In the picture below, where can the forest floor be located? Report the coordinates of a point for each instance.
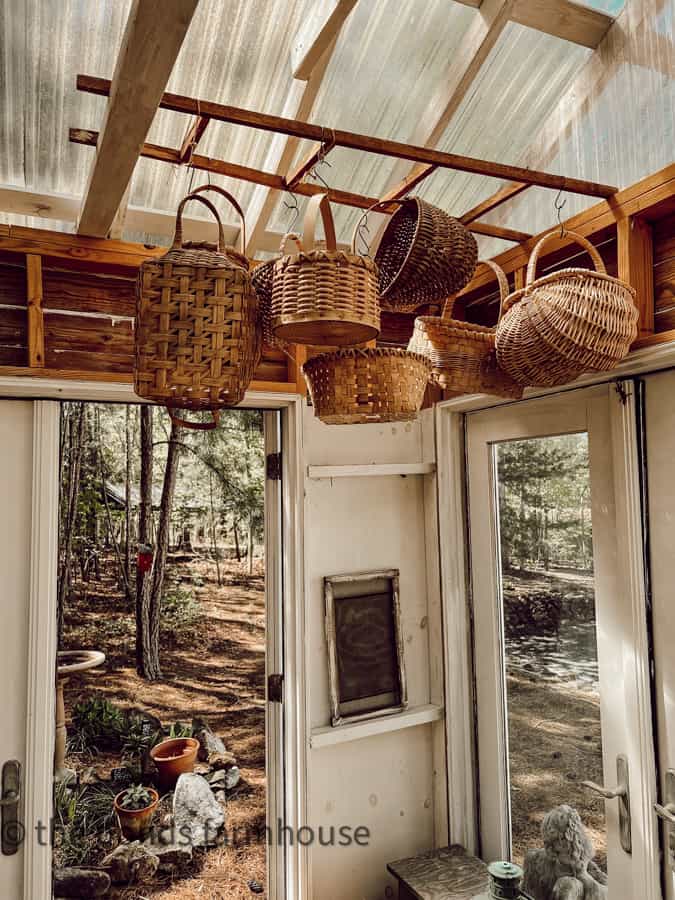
(215, 671)
(554, 724)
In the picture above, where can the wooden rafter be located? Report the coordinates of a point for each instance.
(416, 176)
(350, 140)
(193, 136)
(485, 206)
(564, 19)
(142, 71)
(322, 23)
(318, 152)
(277, 182)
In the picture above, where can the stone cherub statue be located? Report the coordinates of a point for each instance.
(564, 869)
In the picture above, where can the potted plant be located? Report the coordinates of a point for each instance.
(174, 757)
(135, 807)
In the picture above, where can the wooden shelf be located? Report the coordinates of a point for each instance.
(373, 470)
(419, 715)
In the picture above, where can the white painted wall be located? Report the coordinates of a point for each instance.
(384, 782)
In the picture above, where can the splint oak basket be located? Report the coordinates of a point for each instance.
(197, 330)
(324, 297)
(382, 384)
(462, 355)
(565, 323)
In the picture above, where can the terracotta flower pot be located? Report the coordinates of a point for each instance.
(135, 823)
(173, 758)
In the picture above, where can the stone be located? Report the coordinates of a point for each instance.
(129, 863)
(221, 796)
(202, 768)
(255, 887)
(196, 812)
(218, 777)
(83, 883)
(222, 761)
(232, 778)
(173, 852)
(209, 743)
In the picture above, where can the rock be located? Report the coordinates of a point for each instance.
(84, 883)
(222, 761)
(232, 778)
(221, 796)
(218, 777)
(255, 887)
(196, 812)
(173, 852)
(202, 768)
(209, 743)
(129, 863)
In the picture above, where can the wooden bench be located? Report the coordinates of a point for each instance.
(445, 874)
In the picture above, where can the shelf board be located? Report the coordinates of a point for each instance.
(362, 471)
(419, 715)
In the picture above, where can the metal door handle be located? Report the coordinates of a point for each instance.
(622, 791)
(667, 812)
(10, 795)
(10, 798)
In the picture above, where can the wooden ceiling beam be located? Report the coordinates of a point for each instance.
(493, 201)
(193, 136)
(416, 176)
(318, 152)
(277, 182)
(364, 143)
(322, 23)
(564, 19)
(142, 71)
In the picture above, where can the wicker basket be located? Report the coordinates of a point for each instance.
(566, 323)
(462, 355)
(366, 385)
(198, 338)
(424, 256)
(324, 297)
(262, 277)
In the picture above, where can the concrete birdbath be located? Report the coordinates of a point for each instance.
(68, 663)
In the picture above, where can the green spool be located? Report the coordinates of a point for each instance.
(505, 878)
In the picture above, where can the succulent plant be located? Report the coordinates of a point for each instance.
(136, 797)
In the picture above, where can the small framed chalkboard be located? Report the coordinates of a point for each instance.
(365, 646)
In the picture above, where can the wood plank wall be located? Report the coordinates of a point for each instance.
(663, 234)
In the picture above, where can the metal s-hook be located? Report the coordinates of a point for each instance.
(295, 209)
(560, 203)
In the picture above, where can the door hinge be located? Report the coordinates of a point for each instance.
(275, 688)
(273, 466)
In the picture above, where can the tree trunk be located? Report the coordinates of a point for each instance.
(250, 544)
(237, 548)
(214, 537)
(127, 511)
(143, 581)
(153, 668)
(76, 429)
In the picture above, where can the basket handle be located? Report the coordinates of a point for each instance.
(577, 238)
(291, 236)
(319, 203)
(195, 426)
(178, 233)
(231, 199)
(503, 288)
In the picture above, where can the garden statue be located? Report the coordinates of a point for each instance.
(564, 868)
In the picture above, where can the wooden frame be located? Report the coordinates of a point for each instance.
(339, 716)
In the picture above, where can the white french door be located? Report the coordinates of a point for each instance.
(560, 628)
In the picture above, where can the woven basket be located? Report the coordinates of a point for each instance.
(262, 277)
(566, 323)
(324, 297)
(197, 339)
(462, 355)
(366, 385)
(424, 256)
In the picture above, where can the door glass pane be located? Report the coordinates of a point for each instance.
(550, 641)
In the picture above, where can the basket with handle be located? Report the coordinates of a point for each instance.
(197, 337)
(262, 278)
(360, 385)
(565, 323)
(324, 297)
(462, 355)
(423, 257)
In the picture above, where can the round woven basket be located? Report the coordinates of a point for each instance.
(462, 355)
(566, 323)
(324, 297)
(262, 278)
(424, 256)
(357, 386)
(197, 336)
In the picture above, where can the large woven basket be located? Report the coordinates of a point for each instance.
(324, 297)
(571, 321)
(462, 355)
(357, 386)
(197, 331)
(262, 278)
(424, 256)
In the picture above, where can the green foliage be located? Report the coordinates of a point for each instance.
(178, 730)
(544, 503)
(97, 725)
(137, 738)
(180, 611)
(83, 819)
(136, 797)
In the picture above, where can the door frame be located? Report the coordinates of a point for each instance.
(290, 865)
(456, 586)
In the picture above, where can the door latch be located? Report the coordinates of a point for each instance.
(667, 813)
(12, 830)
(275, 688)
(622, 792)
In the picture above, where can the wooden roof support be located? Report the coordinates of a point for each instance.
(193, 136)
(318, 152)
(36, 321)
(322, 23)
(416, 176)
(142, 71)
(364, 143)
(277, 182)
(564, 19)
(501, 196)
